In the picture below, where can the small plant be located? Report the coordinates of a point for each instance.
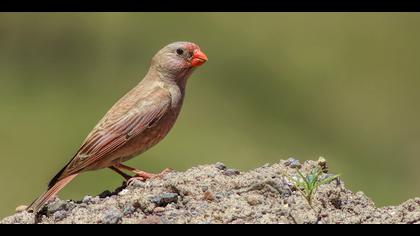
(307, 185)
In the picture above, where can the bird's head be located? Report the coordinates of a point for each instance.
(178, 57)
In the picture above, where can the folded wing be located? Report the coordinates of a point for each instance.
(108, 136)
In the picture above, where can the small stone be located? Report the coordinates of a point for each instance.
(231, 172)
(21, 208)
(95, 200)
(112, 216)
(218, 195)
(164, 199)
(211, 175)
(123, 192)
(136, 183)
(158, 210)
(293, 163)
(129, 209)
(253, 199)
(323, 164)
(87, 199)
(59, 215)
(105, 194)
(204, 188)
(186, 200)
(57, 205)
(136, 204)
(220, 166)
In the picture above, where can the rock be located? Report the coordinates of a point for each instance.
(231, 172)
(136, 183)
(87, 199)
(57, 205)
(129, 209)
(112, 216)
(21, 208)
(95, 200)
(293, 163)
(164, 199)
(204, 188)
(59, 215)
(322, 163)
(220, 166)
(123, 192)
(254, 199)
(158, 210)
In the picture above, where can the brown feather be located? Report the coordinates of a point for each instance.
(112, 135)
(50, 193)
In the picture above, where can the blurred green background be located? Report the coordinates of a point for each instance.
(340, 85)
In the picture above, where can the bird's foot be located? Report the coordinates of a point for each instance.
(143, 176)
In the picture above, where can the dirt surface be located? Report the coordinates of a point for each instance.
(217, 194)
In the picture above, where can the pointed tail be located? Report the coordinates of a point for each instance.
(50, 193)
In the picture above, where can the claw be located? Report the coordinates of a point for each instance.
(143, 176)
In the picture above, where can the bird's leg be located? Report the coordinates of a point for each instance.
(118, 171)
(139, 174)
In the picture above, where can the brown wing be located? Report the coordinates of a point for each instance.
(109, 136)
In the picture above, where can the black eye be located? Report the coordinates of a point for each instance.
(179, 51)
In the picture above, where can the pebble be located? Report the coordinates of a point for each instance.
(211, 175)
(158, 210)
(129, 209)
(87, 199)
(112, 216)
(57, 205)
(218, 195)
(292, 163)
(231, 172)
(21, 208)
(95, 200)
(164, 199)
(136, 183)
(323, 164)
(123, 192)
(59, 215)
(220, 166)
(254, 199)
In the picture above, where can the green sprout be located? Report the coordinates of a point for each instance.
(307, 185)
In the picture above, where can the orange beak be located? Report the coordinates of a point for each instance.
(198, 58)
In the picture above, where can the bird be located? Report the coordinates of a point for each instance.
(136, 122)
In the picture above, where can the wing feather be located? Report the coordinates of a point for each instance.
(107, 138)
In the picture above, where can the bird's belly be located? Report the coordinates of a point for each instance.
(145, 140)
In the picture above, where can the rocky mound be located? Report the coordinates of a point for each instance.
(216, 194)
